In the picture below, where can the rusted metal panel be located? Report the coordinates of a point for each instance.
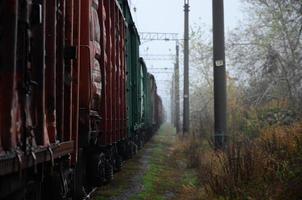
(108, 70)
(103, 59)
(38, 73)
(8, 51)
(68, 80)
(76, 79)
(113, 71)
(85, 74)
(42, 44)
(50, 92)
(60, 68)
(85, 61)
(120, 71)
(117, 78)
(124, 116)
(17, 161)
(25, 83)
(110, 47)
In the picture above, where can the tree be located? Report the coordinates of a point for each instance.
(201, 80)
(268, 50)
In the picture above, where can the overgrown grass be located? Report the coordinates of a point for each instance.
(160, 180)
(120, 183)
(166, 177)
(267, 167)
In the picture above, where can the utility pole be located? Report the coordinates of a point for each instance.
(186, 112)
(220, 134)
(177, 109)
(173, 99)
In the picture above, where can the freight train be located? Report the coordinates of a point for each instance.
(76, 98)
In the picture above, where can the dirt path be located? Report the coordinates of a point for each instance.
(155, 173)
(132, 182)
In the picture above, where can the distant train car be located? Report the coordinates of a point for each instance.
(152, 108)
(158, 111)
(76, 99)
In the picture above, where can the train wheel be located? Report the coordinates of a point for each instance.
(108, 171)
(96, 169)
(58, 185)
(122, 149)
(19, 195)
(79, 174)
(118, 163)
(33, 191)
(134, 149)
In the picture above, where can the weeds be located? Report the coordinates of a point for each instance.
(268, 167)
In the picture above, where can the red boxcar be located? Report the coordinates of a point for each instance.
(62, 82)
(103, 95)
(103, 123)
(39, 84)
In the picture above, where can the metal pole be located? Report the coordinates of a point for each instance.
(172, 101)
(219, 75)
(174, 95)
(186, 113)
(177, 89)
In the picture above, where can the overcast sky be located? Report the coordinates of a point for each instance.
(168, 16)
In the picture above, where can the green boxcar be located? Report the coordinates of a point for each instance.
(153, 93)
(144, 93)
(134, 95)
(141, 85)
(146, 106)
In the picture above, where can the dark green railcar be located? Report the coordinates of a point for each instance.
(141, 86)
(153, 93)
(134, 74)
(145, 95)
(147, 84)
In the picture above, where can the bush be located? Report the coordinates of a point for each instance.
(268, 167)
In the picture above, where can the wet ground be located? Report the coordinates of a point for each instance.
(152, 174)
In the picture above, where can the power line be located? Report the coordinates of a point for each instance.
(158, 57)
(158, 68)
(152, 36)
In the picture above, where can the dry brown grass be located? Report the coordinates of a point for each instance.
(191, 192)
(268, 167)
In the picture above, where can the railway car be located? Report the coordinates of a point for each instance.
(159, 113)
(151, 105)
(76, 99)
(134, 89)
(39, 80)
